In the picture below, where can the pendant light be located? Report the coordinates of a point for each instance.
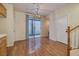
(37, 7)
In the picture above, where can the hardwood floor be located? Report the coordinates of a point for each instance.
(38, 47)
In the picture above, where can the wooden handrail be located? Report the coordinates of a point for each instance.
(74, 28)
(68, 31)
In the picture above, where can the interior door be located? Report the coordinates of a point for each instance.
(61, 25)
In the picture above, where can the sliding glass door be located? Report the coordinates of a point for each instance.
(34, 27)
(34, 32)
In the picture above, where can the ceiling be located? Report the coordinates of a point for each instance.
(44, 8)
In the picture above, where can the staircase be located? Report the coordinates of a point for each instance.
(73, 41)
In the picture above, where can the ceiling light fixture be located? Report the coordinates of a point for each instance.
(37, 7)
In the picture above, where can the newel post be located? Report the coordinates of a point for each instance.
(68, 47)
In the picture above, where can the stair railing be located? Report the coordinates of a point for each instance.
(69, 45)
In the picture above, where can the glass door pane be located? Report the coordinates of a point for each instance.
(36, 27)
(30, 27)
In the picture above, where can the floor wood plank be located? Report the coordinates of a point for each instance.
(38, 47)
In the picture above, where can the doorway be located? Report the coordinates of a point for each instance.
(34, 27)
(34, 33)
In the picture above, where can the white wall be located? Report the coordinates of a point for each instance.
(72, 13)
(20, 25)
(7, 24)
(60, 29)
(52, 26)
(44, 26)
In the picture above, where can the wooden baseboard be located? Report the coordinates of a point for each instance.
(62, 43)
